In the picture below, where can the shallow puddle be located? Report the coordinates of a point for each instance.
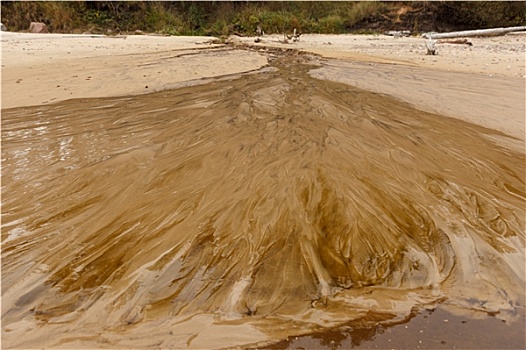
(247, 210)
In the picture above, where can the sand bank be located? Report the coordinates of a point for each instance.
(45, 68)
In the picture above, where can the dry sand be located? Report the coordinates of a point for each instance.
(501, 56)
(256, 206)
(44, 68)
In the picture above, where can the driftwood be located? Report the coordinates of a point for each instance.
(471, 33)
(398, 33)
(455, 41)
(294, 37)
(430, 47)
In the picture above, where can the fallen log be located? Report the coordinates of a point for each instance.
(455, 41)
(471, 33)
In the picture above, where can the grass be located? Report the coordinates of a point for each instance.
(220, 18)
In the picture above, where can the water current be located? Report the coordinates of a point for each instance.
(247, 209)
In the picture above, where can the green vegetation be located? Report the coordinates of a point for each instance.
(220, 18)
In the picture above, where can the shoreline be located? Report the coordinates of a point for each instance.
(474, 84)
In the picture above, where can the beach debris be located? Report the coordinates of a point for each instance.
(430, 46)
(398, 33)
(2, 27)
(38, 27)
(455, 41)
(294, 37)
(259, 31)
(472, 33)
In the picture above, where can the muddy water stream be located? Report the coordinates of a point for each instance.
(246, 210)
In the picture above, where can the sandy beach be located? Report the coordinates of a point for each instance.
(490, 74)
(46, 68)
(180, 192)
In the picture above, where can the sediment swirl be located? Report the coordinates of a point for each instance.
(237, 209)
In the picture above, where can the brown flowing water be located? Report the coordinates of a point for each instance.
(248, 209)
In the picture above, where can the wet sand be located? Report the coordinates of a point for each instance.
(244, 209)
(426, 329)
